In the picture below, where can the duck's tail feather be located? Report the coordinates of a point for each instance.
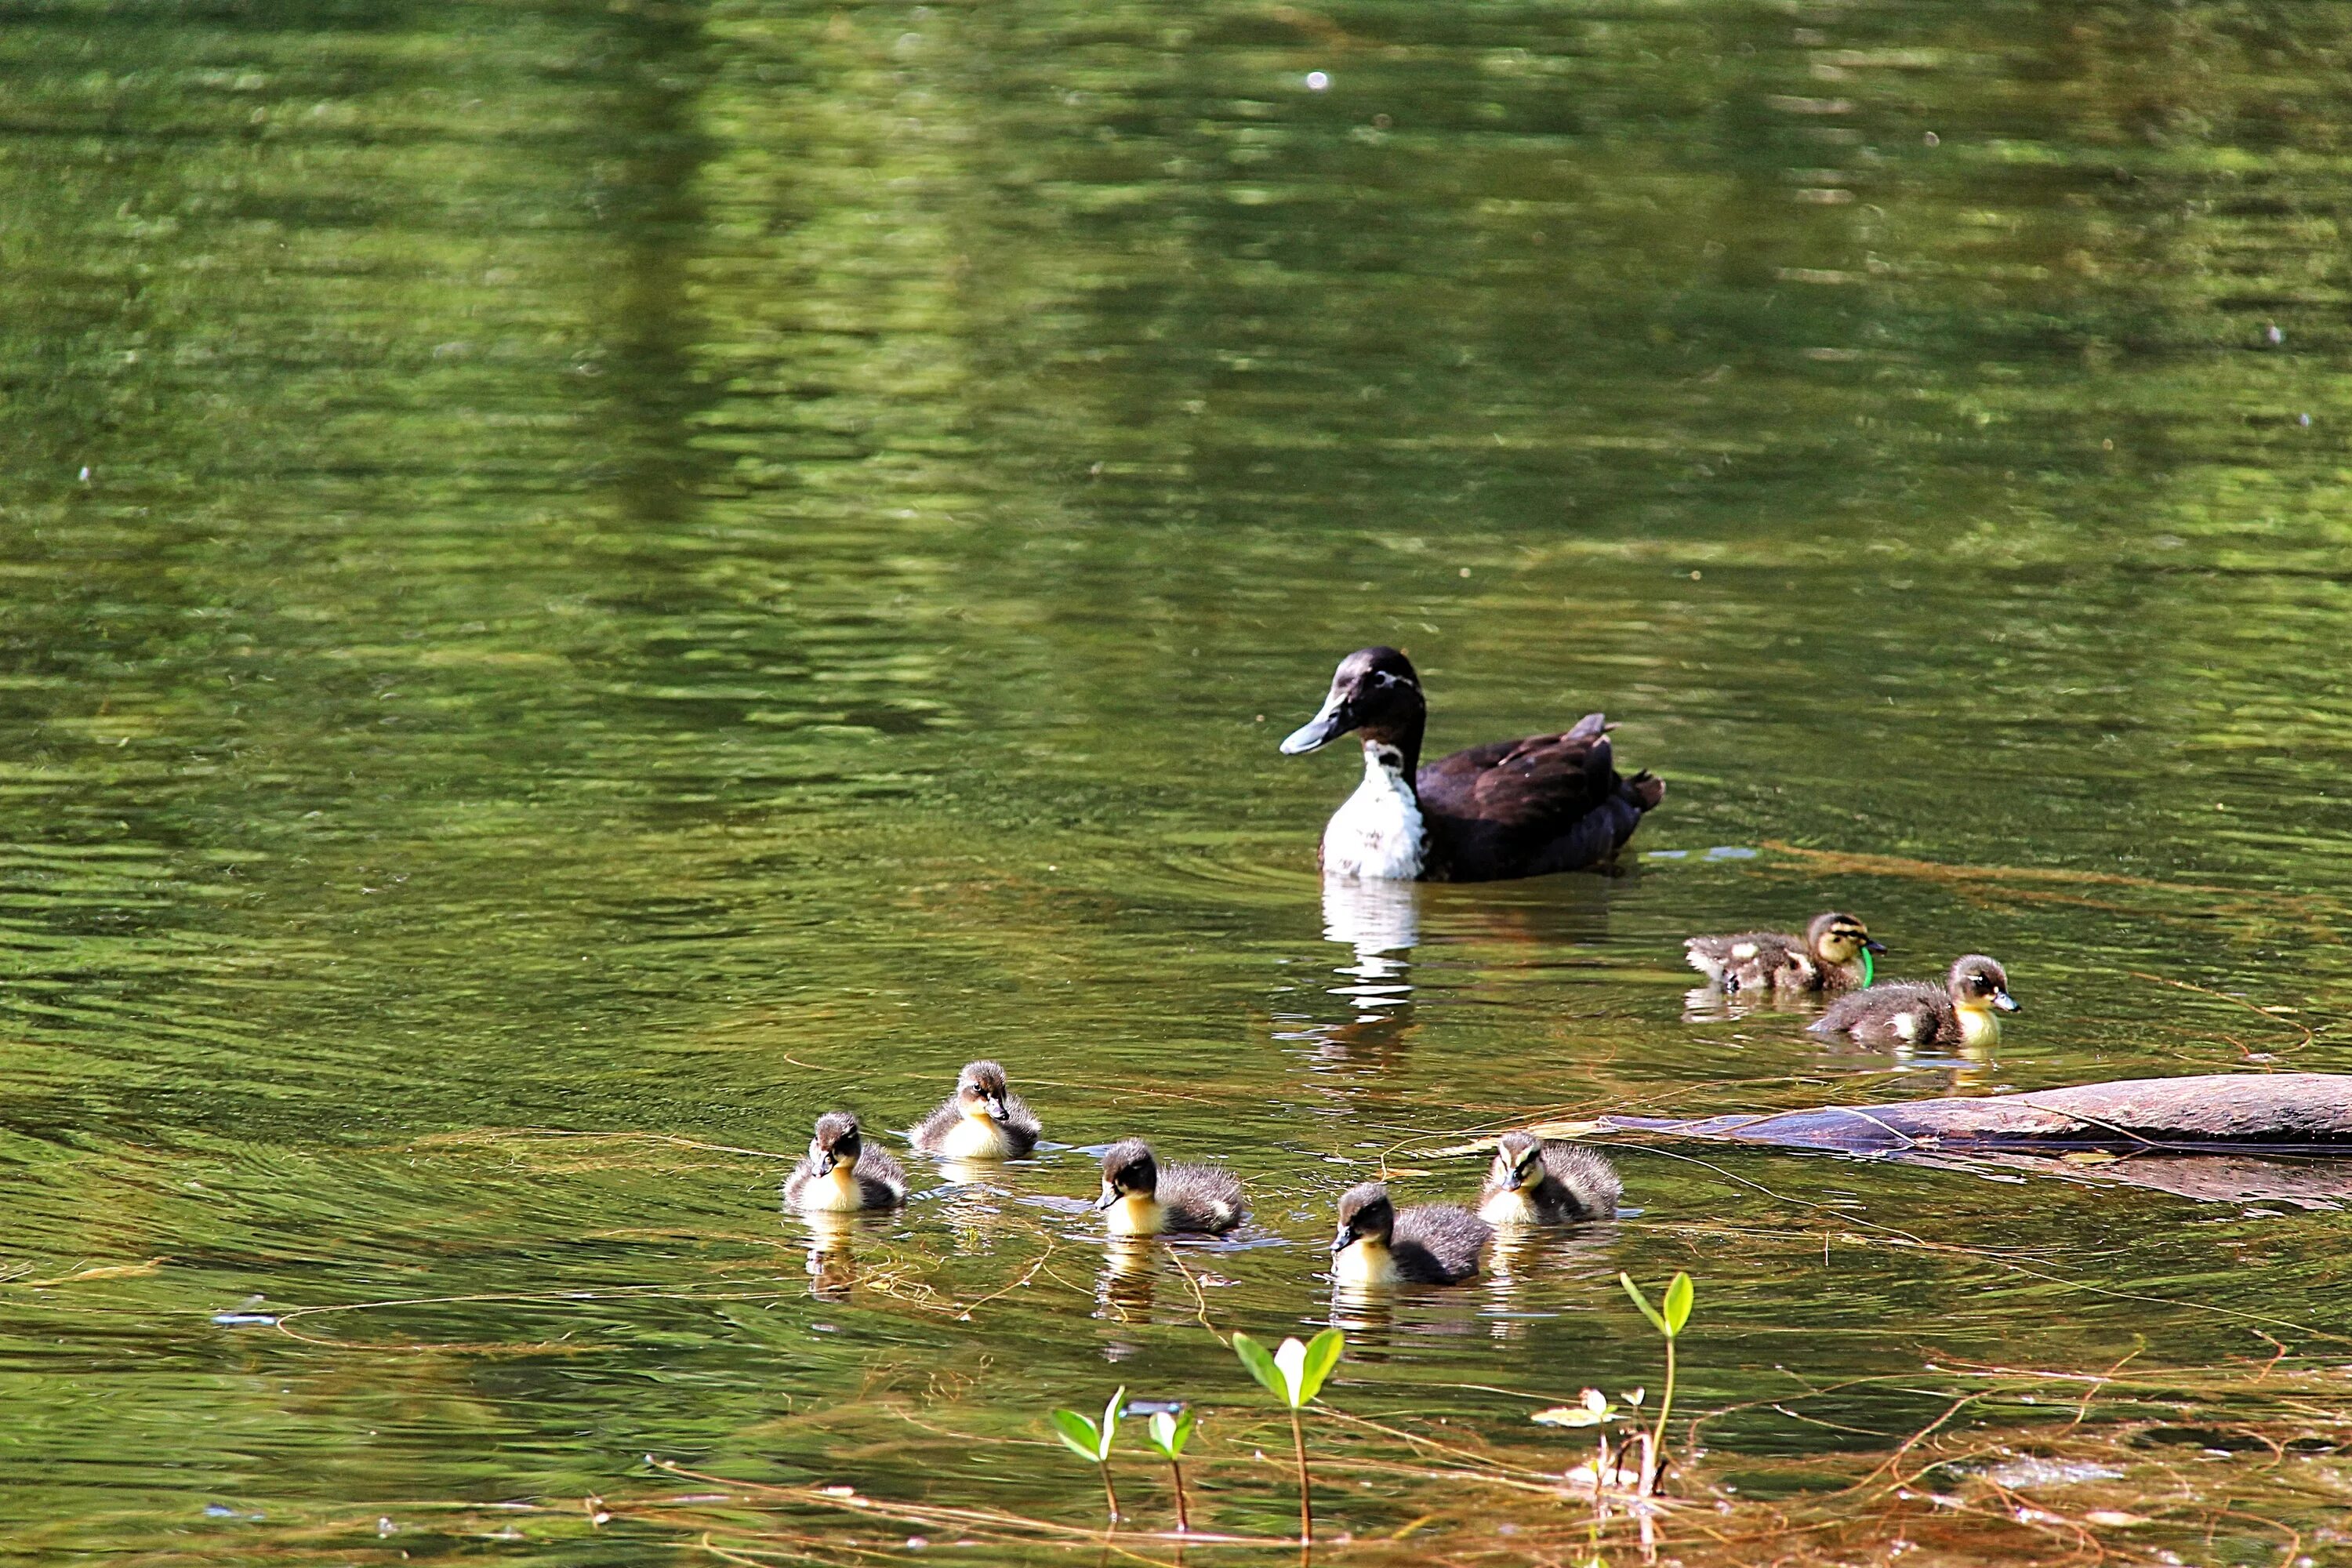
(1698, 953)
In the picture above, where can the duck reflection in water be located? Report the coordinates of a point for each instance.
(1129, 1279)
(1379, 921)
(1523, 1255)
(1377, 1317)
(1712, 1004)
(972, 1204)
(832, 1261)
(1963, 1069)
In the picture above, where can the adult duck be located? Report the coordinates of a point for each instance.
(1509, 808)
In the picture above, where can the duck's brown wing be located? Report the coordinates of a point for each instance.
(1537, 778)
(1543, 802)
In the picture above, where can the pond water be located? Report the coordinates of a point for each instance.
(585, 582)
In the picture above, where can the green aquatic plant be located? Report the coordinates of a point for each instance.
(1168, 1431)
(1592, 1408)
(1091, 1441)
(1673, 1310)
(1295, 1374)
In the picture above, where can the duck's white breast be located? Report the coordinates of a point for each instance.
(1378, 832)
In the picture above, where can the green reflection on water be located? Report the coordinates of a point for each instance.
(652, 568)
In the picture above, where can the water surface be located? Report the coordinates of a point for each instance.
(582, 583)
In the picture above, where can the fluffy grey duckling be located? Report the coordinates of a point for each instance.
(1535, 1182)
(1141, 1196)
(1430, 1244)
(839, 1174)
(1966, 1012)
(1834, 954)
(982, 1120)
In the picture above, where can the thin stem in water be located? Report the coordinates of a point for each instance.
(1306, 1513)
(1665, 1408)
(1110, 1497)
(1183, 1525)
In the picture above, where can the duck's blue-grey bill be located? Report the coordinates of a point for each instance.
(1333, 721)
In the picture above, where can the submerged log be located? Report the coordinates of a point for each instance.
(2222, 1138)
(2275, 1112)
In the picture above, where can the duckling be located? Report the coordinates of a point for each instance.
(1509, 808)
(1535, 1182)
(839, 1174)
(1430, 1244)
(1967, 1012)
(1834, 954)
(1142, 1197)
(981, 1120)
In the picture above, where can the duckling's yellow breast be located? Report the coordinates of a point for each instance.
(1136, 1214)
(836, 1191)
(1364, 1263)
(1979, 1025)
(975, 1138)
(1511, 1208)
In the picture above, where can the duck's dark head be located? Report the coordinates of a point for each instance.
(837, 1142)
(1518, 1162)
(1374, 691)
(1127, 1171)
(1365, 1214)
(1838, 938)
(981, 1091)
(1981, 983)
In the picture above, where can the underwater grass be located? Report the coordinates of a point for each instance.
(2247, 1463)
